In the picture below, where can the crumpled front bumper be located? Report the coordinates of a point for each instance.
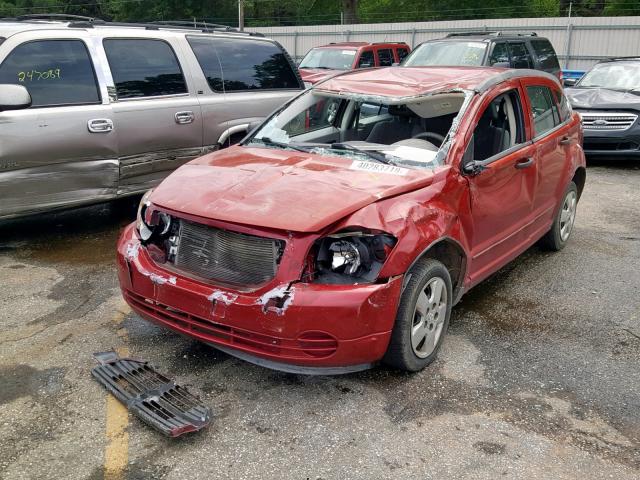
(302, 327)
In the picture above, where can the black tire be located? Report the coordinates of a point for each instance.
(553, 240)
(400, 353)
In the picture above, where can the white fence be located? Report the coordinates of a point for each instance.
(579, 42)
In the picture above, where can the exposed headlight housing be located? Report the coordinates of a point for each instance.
(151, 224)
(350, 257)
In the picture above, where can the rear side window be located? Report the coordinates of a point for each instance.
(402, 52)
(243, 64)
(546, 54)
(563, 103)
(144, 68)
(499, 54)
(543, 109)
(366, 59)
(520, 56)
(385, 57)
(55, 72)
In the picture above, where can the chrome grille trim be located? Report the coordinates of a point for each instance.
(607, 120)
(224, 256)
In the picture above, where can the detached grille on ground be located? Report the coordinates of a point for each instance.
(607, 120)
(154, 398)
(226, 257)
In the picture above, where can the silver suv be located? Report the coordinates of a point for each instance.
(104, 110)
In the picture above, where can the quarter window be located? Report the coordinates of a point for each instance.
(233, 65)
(144, 68)
(546, 54)
(520, 56)
(366, 59)
(565, 108)
(543, 109)
(55, 72)
(385, 57)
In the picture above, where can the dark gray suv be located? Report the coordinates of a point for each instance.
(497, 49)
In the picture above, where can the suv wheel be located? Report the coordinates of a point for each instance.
(556, 238)
(423, 317)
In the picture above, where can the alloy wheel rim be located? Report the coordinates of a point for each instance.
(429, 315)
(568, 215)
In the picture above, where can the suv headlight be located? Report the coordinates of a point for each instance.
(350, 257)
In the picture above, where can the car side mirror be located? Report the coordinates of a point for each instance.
(365, 65)
(501, 65)
(14, 97)
(569, 82)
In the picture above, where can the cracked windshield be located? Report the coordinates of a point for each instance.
(408, 134)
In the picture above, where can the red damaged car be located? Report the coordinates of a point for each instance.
(341, 231)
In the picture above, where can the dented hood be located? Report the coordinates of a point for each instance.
(602, 98)
(281, 189)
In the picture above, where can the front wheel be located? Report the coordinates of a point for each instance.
(423, 317)
(556, 238)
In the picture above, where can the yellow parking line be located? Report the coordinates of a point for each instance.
(116, 454)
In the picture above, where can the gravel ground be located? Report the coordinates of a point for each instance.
(538, 378)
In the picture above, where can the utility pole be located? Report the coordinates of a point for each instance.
(567, 38)
(241, 15)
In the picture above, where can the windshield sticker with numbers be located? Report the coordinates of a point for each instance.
(378, 168)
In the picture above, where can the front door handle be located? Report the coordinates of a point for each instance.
(185, 117)
(524, 163)
(565, 141)
(100, 125)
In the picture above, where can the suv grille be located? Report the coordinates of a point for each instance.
(607, 120)
(226, 257)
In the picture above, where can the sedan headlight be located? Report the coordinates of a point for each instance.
(151, 223)
(351, 257)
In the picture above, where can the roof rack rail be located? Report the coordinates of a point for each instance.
(194, 24)
(200, 26)
(491, 33)
(55, 16)
(615, 59)
(389, 43)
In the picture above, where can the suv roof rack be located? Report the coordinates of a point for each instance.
(389, 43)
(489, 33)
(80, 21)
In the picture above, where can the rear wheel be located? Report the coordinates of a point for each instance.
(556, 238)
(423, 317)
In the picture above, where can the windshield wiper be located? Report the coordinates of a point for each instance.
(273, 143)
(378, 157)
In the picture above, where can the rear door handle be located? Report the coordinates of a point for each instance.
(565, 141)
(100, 125)
(185, 117)
(524, 163)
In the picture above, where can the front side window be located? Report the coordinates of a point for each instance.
(408, 135)
(246, 64)
(55, 72)
(613, 75)
(450, 53)
(500, 54)
(402, 53)
(385, 57)
(366, 59)
(144, 68)
(499, 128)
(520, 56)
(543, 109)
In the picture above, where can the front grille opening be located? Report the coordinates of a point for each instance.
(227, 257)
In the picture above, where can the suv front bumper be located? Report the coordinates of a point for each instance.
(314, 329)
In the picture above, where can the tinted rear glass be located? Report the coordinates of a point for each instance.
(144, 68)
(546, 54)
(447, 53)
(246, 64)
(55, 72)
(520, 56)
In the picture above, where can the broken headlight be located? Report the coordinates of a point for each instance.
(351, 257)
(151, 224)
